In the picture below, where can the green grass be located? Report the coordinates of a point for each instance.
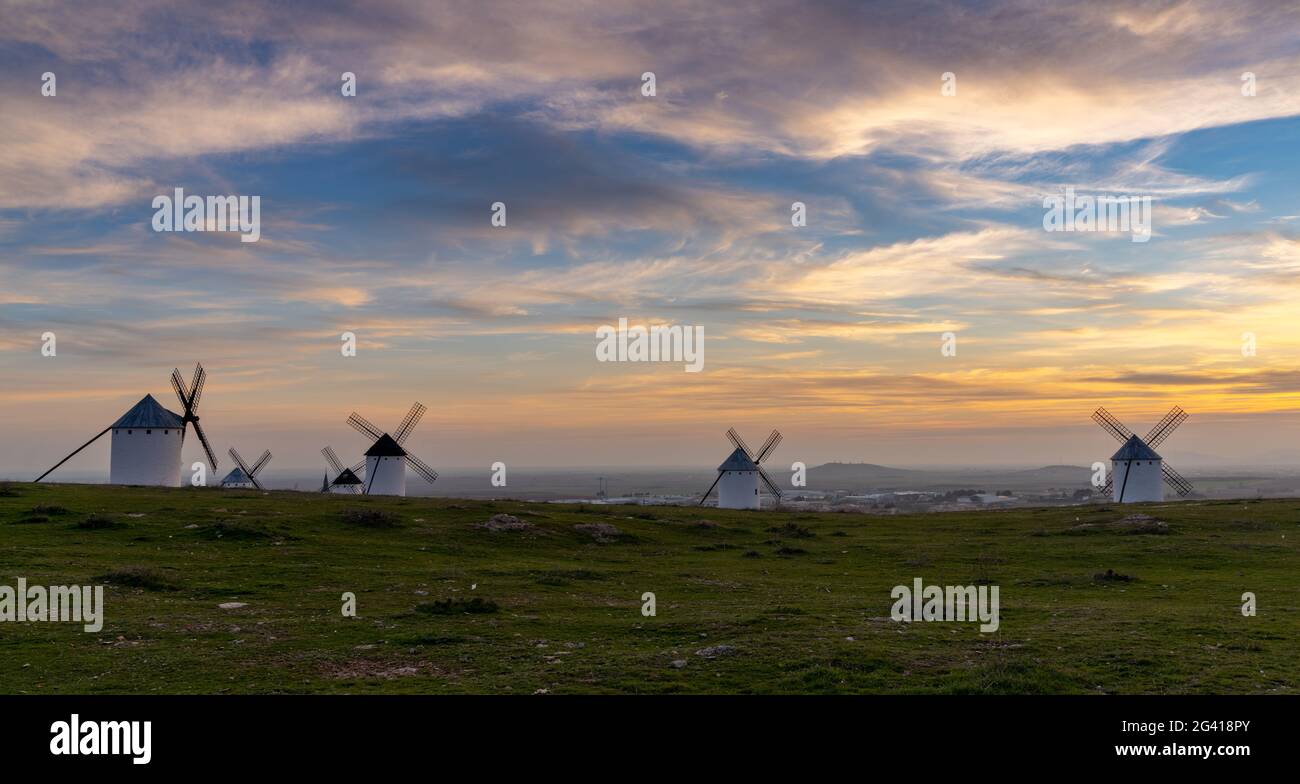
(801, 601)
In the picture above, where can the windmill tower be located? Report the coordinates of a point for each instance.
(386, 459)
(740, 473)
(147, 440)
(345, 479)
(1137, 469)
(242, 475)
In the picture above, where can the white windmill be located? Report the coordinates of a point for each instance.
(242, 476)
(386, 460)
(345, 479)
(1136, 469)
(147, 440)
(740, 473)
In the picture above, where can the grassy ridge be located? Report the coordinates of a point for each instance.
(802, 608)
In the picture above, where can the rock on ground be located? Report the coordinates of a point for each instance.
(601, 532)
(714, 651)
(505, 522)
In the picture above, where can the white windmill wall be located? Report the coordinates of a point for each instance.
(237, 484)
(738, 490)
(145, 456)
(386, 475)
(1144, 480)
(341, 489)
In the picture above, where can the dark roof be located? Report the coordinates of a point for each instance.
(148, 413)
(1135, 449)
(739, 461)
(346, 478)
(386, 447)
(236, 477)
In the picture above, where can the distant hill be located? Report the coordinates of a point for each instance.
(864, 476)
(843, 475)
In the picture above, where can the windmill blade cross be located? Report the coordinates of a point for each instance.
(409, 422)
(359, 468)
(421, 468)
(771, 486)
(1111, 425)
(196, 388)
(182, 392)
(1109, 487)
(239, 461)
(333, 460)
(740, 442)
(212, 458)
(1166, 426)
(261, 462)
(364, 426)
(768, 446)
(1175, 480)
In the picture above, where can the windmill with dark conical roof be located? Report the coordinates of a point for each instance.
(345, 479)
(1137, 469)
(387, 459)
(147, 439)
(740, 473)
(244, 475)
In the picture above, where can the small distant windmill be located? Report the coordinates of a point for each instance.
(345, 479)
(147, 440)
(739, 474)
(242, 475)
(386, 460)
(1136, 469)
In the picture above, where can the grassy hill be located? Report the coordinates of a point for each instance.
(768, 601)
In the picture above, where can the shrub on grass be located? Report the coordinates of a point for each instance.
(792, 530)
(145, 577)
(98, 522)
(46, 510)
(370, 518)
(1112, 576)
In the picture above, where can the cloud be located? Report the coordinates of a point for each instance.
(925, 210)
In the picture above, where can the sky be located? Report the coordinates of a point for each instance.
(924, 199)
